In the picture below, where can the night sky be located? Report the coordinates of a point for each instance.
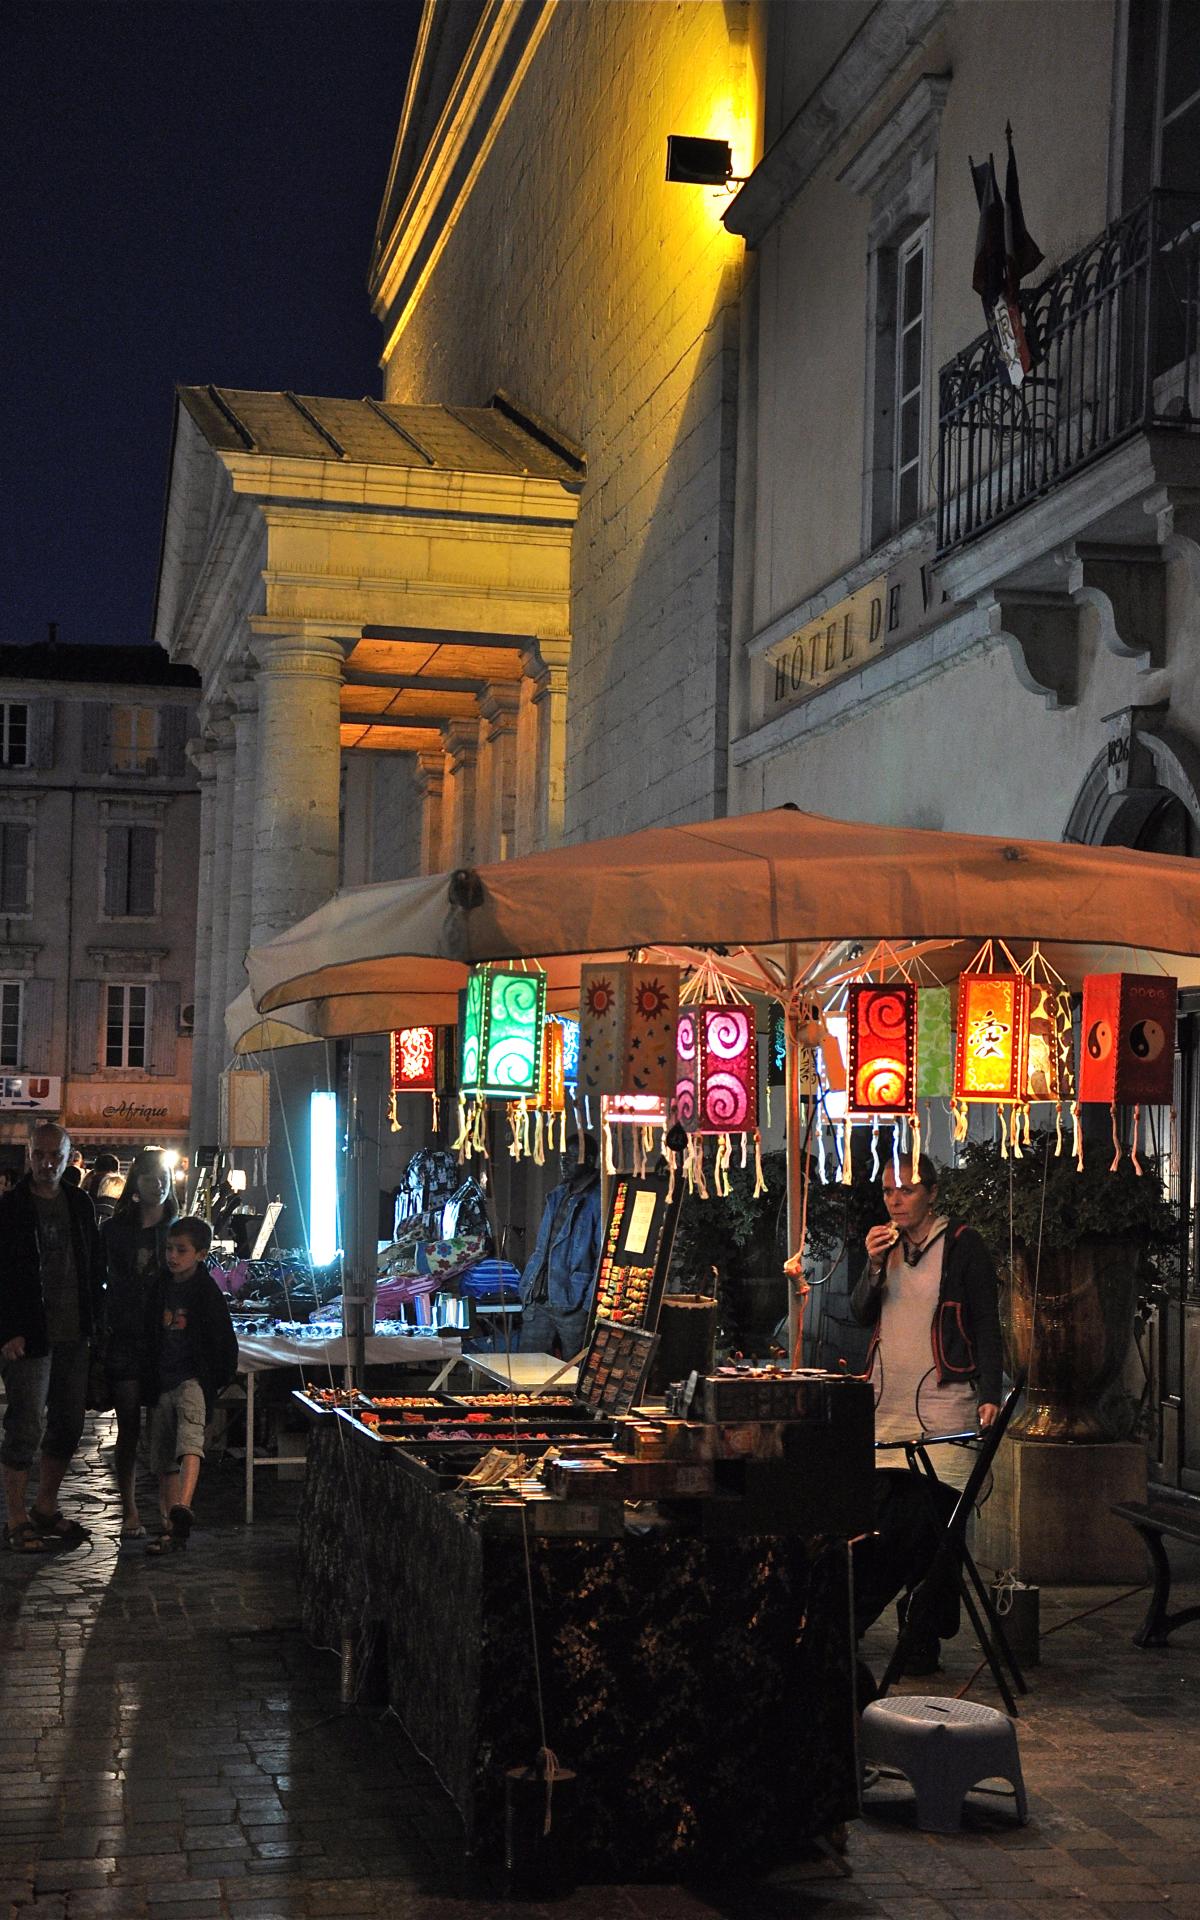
(191, 192)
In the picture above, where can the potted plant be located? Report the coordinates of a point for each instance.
(1073, 1249)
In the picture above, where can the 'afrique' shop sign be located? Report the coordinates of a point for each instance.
(852, 632)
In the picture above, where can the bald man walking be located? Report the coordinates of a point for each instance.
(51, 1306)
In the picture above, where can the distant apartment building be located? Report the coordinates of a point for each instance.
(99, 825)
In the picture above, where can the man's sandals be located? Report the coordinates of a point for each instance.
(176, 1538)
(43, 1532)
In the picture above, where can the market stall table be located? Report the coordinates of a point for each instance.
(699, 1677)
(257, 1353)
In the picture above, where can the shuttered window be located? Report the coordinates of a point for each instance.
(126, 1027)
(14, 733)
(133, 740)
(14, 867)
(10, 1023)
(131, 873)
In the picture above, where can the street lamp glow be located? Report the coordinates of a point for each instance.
(322, 1178)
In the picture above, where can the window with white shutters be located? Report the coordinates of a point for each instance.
(14, 733)
(11, 995)
(14, 867)
(131, 872)
(126, 1026)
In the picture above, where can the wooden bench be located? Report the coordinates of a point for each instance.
(1168, 1515)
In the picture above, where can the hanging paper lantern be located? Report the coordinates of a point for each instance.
(776, 1075)
(627, 1016)
(883, 1045)
(635, 1109)
(570, 1034)
(716, 1085)
(1044, 1080)
(935, 1051)
(501, 1020)
(551, 1093)
(414, 1060)
(1127, 1050)
(991, 1060)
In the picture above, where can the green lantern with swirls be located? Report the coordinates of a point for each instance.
(502, 1015)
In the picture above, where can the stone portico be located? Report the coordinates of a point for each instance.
(377, 600)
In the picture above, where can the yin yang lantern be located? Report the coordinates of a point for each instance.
(1127, 1039)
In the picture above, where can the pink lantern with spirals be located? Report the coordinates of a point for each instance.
(883, 1046)
(716, 1080)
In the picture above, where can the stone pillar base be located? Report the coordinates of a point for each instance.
(1048, 1515)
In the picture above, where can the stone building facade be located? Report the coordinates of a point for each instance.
(681, 499)
(99, 819)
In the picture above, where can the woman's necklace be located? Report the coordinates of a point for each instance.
(912, 1254)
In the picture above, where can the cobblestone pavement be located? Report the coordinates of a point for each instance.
(172, 1748)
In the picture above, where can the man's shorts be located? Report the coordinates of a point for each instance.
(44, 1404)
(177, 1426)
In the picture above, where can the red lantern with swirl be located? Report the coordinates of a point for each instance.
(716, 1079)
(883, 1047)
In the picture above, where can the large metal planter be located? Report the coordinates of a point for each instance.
(1081, 1323)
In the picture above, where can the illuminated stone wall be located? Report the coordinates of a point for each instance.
(576, 279)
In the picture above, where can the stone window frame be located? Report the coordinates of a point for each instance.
(125, 814)
(125, 988)
(10, 988)
(896, 170)
(136, 757)
(20, 815)
(8, 709)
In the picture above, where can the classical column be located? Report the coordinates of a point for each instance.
(547, 663)
(496, 790)
(244, 694)
(458, 813)
(221, 732)
(203, 758)
(429, 775)
(296, 801)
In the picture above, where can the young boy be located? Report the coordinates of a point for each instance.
(191, 1354)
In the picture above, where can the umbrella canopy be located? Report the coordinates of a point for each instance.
(760, 880)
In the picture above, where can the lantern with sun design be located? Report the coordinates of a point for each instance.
(627, 1017)
(501, 1019)
(883, 1047)
(1127, 1048)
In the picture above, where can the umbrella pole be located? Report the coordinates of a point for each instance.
(793, 1143)
(354, 1267)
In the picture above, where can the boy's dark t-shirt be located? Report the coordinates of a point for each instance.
(177, 1359)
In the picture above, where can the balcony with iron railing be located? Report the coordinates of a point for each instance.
(1115, 335)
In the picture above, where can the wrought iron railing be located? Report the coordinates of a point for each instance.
(1114, 334)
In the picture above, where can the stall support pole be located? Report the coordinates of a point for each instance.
(793, 1139)
(358, 1272)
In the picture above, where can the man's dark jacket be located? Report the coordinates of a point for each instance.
(22, 1309)
(214, 1342)
(964, 1333)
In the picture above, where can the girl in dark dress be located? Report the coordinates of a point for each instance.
(134, 1246)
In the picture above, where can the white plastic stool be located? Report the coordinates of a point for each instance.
(944, 1747)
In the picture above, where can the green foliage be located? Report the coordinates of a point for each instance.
(734, 1237)
(1049, 1198)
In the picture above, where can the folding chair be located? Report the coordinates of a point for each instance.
(954, 1555)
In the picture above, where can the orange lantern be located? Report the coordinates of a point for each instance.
(883, 1047)
(991, 1056)
(552, 1087)
(1127, 1054)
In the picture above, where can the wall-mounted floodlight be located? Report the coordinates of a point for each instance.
(696, 162)
(322, 1178)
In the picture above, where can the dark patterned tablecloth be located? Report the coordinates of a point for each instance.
(701, 1689)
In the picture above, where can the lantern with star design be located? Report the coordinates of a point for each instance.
(627, 1017)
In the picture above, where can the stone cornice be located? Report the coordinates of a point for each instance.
(891, 36)
(507, 37)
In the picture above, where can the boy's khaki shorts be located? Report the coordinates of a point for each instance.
(177, 1426)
